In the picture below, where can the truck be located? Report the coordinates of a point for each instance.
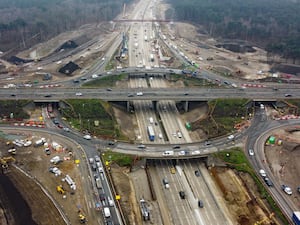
(296, 217)
(106, 211)
(151, 57)
(98, 183)
(151, 133)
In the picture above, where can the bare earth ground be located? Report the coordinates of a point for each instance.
(283, 161)
(36, 163)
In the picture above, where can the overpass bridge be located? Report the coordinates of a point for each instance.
(127, 96)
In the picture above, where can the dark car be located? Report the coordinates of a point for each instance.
(182, 194)
(268, 181)
(108, 89)
(48, 96)
(288, 95)
(200, 204)
(176, 147)
(47, 151)
(197, 173)
(111, 143)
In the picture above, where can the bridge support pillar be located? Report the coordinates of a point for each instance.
(128, 106)
(186, 106)
(155, 105)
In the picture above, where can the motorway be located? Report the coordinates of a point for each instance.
(166, 116)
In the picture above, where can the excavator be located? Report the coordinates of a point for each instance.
(60, 189)
(4, 161)
(82, 217)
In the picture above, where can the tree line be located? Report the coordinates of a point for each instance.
(273, 24)
(33, 21)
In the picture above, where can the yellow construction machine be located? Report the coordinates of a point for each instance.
(81, 216)
(60, 189)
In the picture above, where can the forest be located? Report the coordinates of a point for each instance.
(271, 24)
(34, 21)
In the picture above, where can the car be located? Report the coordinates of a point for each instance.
(181, 153)
(47, 151)
(47, 96)
(55, 121)
(102, 197)
(130, 95)
(139, 94)
(173, 170)
(108, 89)
(66, 129)
(196, 152)
(109, 222)
(160, 136)
(182, 194)
(97, 158)
(75, 81)
(268, 181)
(111, 143)
(251, 152)
(176, 147)
(230, 137)
(197, 173)
(141, 146)
(78, 94)
(288, 95)
(13, 95)
(87, 137)
(60, 126)
(286, 189)
(83, 78)
(262, 173)
(166, 153)
(186, 93)
(200, 204)
(207, 143)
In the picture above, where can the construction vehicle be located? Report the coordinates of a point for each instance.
(60, 189)
(4, 161)
(82, 217)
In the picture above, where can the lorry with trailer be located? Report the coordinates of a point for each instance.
(151, 133)
(106, 212)
(296, 217)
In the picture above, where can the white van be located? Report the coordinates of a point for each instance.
(106, 212)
